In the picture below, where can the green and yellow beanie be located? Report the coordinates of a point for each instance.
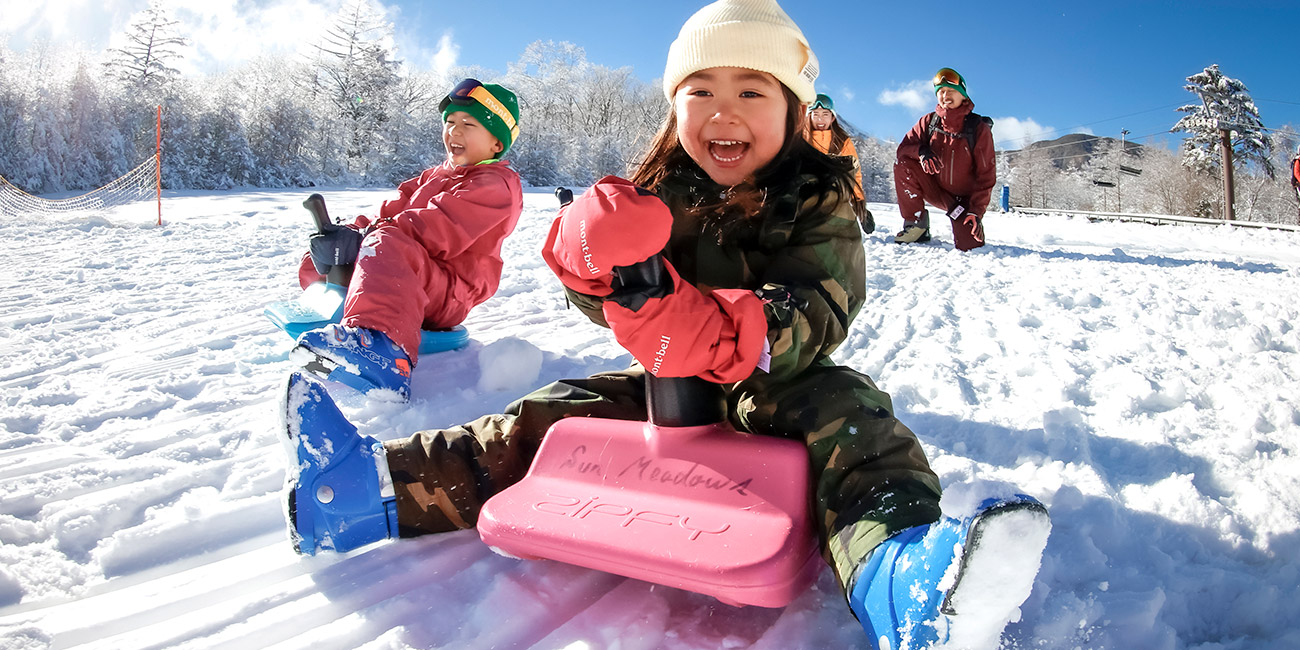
(494, 106)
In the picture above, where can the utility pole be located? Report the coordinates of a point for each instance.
(1225, 151)
(1119, 195)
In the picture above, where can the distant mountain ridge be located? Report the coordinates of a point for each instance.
(1072, 150)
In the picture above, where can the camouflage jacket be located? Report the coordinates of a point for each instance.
(805, 261)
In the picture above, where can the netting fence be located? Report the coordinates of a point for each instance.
(139, 184)
(143, 182)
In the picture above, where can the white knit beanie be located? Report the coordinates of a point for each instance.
(753, 34)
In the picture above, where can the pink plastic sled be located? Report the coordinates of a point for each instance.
(683, 500)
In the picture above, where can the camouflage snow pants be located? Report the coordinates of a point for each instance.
(871, 476)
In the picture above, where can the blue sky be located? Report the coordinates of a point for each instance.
(1040, 69)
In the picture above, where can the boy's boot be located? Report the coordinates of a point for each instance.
(339, 491)
(952, 580)
(364, 359)
(915, 232)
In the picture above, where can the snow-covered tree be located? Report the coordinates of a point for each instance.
(12, 107)
(354, 73)
(1170, 187)
(1272, 200)
(876, 159)
(1030, 177)
(152, 43)
(578, 121)
(278, 120)
(96, 150)
(1225, 104)
(412, 137)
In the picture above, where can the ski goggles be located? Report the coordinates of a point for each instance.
(822, 102)
(948, 77)
(472, 91)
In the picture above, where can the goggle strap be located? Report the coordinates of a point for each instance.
(489, 101)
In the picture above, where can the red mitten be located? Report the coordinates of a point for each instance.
(677, 331)
(615, 223)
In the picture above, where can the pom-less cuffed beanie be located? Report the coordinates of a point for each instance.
(752, 34)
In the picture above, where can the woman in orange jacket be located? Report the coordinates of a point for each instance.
(825, 132)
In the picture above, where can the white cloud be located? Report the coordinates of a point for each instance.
(1015, 133)
(439, 60)
(64, 22)
(22, 14)
(445, 58)
(915, 95)
(221, 35)
(224, 34)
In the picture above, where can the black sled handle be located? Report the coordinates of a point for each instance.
(340, 274)
(315, 204)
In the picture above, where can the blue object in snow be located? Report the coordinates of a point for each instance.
(321, 304)
(896, 595)
(342, 495)
(364, 359)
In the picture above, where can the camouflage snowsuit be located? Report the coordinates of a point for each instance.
(871, 475)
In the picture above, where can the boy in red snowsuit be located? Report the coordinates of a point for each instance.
(431, 254)
(937, 164)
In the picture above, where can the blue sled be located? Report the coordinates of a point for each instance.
(322, 303)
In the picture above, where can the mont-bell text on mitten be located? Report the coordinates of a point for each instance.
(614, 223)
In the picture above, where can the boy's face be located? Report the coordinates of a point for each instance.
(949, 98)
(467, 141)
(821, 119)
(730, 121)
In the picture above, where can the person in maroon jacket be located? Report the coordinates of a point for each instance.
(1295, 173)
(431, 254)
(946, 160)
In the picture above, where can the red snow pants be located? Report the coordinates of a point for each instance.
(915, 187)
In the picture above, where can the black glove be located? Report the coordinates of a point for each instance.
(335, 248)
(930, 163)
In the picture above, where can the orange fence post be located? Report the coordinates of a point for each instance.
(158, 162)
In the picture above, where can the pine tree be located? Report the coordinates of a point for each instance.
(355, 74)
(152, 43)
(279, 120)
(1225, 104)
(12, 108)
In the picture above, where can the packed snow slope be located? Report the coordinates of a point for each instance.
(1140, 380)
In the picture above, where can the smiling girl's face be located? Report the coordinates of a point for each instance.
(731, 121)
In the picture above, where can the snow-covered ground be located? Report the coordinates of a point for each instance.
(1139, 380)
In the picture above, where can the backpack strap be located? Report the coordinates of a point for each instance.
(930, 128)
(970, 128)
(933, 126)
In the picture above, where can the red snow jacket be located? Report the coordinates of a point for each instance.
(965, 173)
(1295, 171)
(433, 253)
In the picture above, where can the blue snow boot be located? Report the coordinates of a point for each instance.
(364, 359)
(952, 581)
(339, 491)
